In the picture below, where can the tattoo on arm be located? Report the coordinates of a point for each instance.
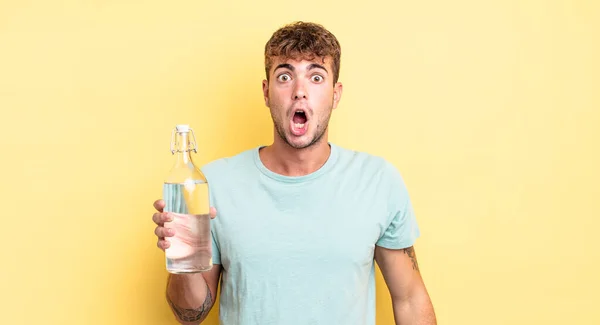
(410, 251)
(193, 314)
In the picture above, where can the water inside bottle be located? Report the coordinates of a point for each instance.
(190, 250)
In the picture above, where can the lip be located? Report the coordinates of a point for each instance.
(296, 109)
(294, 129)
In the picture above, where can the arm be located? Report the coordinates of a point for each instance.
(410, 300)
(191, 296)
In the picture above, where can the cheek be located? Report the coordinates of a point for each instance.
(281, 100)
(276, 94)
(276, 102)
(324, 97)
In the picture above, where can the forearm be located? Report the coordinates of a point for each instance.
(189, 297)
(414, 310)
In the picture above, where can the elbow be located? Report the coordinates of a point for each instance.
(416, 305)
(413, 302)
(188, 316)
(184, 321)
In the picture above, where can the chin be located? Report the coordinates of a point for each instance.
(299, 144)
(305, 141)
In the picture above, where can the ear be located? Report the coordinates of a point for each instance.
(337, 93)
(265, 88)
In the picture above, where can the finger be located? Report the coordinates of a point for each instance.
(156, 218)
(159, 205)
(212, 213)
(162, 232)
(163, 244)
(161, 218)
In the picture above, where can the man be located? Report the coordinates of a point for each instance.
(301, 221)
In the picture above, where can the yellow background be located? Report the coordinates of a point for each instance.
(490, 109)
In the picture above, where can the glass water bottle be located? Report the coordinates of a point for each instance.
(185, 192)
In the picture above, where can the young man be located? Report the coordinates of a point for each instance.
(301, 221)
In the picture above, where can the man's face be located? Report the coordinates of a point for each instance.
(301, 96)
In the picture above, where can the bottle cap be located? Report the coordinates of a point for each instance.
(182, 128)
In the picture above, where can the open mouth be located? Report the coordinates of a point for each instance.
(299, 119)
(298, 123)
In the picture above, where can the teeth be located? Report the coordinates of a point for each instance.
(298, 125)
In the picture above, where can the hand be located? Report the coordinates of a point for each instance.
(161, 217)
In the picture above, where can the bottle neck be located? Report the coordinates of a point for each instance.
(182, 148)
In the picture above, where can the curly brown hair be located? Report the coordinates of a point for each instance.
(303, 40)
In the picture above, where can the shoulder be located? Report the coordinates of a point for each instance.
(226, 165)
(367, 163)
(376, 173)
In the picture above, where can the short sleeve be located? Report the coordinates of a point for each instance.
(401, 230)
(216, 253)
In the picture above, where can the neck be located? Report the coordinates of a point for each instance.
(283, 159)
(183, 158)
(182, 149)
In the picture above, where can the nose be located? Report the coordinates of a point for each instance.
(300, 91)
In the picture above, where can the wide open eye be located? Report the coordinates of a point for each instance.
(284, 77)
(317, 78)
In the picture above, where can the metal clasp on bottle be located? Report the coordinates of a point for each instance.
(192, 142)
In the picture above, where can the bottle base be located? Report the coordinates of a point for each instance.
(189, 271)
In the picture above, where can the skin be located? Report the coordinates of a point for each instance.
(190, 296)
(296, 84)
(306, 84)
(410, 300)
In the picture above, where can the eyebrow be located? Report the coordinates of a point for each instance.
(284, 65)
(291, 67)
(316, 66)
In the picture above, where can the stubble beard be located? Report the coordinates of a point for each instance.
(321, 127)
